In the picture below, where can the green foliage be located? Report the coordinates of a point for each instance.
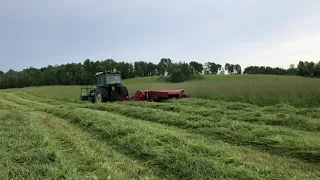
(266, 70)
(304, 68)
(196, 68)
(212, 68)
(177, 76)
(317, 70)
(308, 69)
(82, 73)
(233, 68)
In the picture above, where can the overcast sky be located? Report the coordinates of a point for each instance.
(249, 32)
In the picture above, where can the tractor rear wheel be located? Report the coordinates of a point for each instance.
(101, 95)
(124, 91)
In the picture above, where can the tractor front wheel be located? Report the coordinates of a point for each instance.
(101, 95)
(154, 98)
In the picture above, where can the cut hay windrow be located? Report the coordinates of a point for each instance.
(179, 155)
(279, 115)
(36, 145)
(159, 148)
(274, 139)
(267, 138)
(181, 145)
(287, 117)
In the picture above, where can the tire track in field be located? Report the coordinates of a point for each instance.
(221, 131)
(104, 116)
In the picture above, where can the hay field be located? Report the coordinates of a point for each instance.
(233, 127)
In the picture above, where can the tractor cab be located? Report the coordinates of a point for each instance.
(107, 78)
(108, 87)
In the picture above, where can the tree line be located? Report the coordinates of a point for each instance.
(83, 73)
(304, 68)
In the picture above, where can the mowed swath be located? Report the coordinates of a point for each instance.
(56, 136)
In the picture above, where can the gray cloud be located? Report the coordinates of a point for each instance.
(37, 33)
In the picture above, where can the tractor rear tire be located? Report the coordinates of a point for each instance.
(124, 91)
(101, 95)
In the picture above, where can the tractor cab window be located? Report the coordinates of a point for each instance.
(100, 80)
(113, 79)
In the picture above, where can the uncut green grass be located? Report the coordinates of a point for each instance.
(262, 90)
(172, 152)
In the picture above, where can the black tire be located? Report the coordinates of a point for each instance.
(123, 91)
(154, 98)
(101, 95)
(92, 99)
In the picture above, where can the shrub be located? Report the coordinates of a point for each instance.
(177, 76)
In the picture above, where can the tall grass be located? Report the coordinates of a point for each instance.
(255, 89)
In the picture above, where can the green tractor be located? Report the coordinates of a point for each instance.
(108, 87)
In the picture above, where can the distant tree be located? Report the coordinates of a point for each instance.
(151, 69)
(165, 66)
(231, 68)
(264, 70)
(317, 70)
(206, 68)
(238, 69)
(227, 67)
(140, 68)
(292, 70)
(185, 69)
(222, 71)
(124, 69)
(292, 66)
(212, 68)
(196, 68)
(302, 69)
(83, 73)
(177, 75)
(310, 67)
